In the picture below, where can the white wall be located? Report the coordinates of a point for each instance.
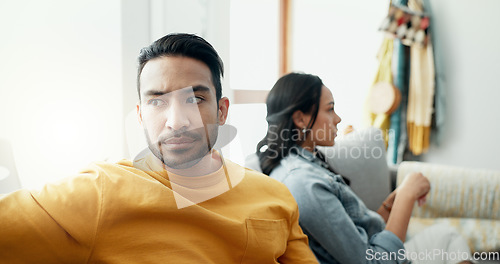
(206, 18)
(64, 87)
(338, 40)
(68, 75)
(343, 41)
(146, 21)
(60, 85)
(468, 53)
(136, 34)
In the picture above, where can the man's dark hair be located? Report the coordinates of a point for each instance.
(184, 45)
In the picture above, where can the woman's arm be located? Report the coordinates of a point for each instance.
(385, 208)
(326, 221)
(414, 187)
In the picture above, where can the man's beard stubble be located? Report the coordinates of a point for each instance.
(204, 143)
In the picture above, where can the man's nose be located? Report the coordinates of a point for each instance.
(177, 117)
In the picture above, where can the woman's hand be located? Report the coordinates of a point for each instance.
(416, 185)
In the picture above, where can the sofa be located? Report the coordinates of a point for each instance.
(466, 199)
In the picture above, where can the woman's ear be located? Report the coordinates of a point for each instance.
(299, 119)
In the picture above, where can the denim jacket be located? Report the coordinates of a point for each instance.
(339, 226)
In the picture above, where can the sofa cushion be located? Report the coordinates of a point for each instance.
(361, 157)
(481, 234)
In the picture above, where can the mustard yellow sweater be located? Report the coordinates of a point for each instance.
(115, 213)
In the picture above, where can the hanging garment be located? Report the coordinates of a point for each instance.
(384, 74)
(421, 91)
(420, 98)
(439, 121)
(400, 69)
(397, 138)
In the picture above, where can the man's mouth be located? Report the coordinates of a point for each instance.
(178, 143)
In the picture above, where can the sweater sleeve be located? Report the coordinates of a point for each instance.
(325, 220)
(54, 225)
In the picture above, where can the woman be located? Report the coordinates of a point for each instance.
(301, 116)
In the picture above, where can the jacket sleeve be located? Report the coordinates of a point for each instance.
(325, 219)
(54, 225)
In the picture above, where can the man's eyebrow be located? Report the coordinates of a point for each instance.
(201, 88)
(196, 88)
(154, 93)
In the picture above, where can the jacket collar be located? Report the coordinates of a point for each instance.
(319, 159)
(316, 157)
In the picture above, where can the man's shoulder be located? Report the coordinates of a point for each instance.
(256, 180)
(99, 174)
(99, 171)
(106, 165)
(250, 173)
(111, 168)
(261, 178)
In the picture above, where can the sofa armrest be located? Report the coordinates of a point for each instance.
(456, 192)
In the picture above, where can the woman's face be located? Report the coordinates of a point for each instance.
(324, 130)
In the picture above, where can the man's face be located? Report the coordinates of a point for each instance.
(178, 110)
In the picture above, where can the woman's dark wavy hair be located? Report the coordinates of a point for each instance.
(292, 92)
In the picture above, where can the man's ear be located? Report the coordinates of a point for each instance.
(139, 113)
(223, 110)
(299, 119)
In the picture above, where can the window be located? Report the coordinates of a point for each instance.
(335, 39)
(338, 40)
(254, 48)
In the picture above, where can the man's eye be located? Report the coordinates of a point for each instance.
(156, 102)
(194, 100)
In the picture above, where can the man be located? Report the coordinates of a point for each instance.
(178, 202)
